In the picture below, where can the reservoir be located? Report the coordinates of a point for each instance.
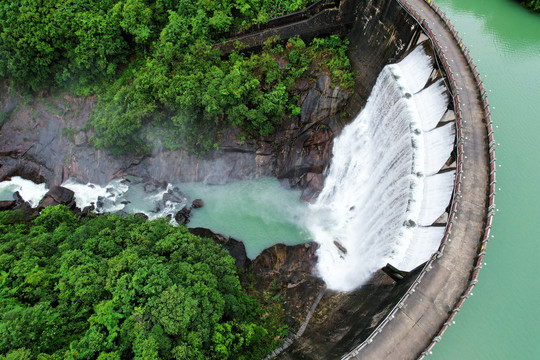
(501, 320)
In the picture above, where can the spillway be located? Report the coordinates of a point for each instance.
(384, 188)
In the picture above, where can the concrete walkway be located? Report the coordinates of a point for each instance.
(417, 322)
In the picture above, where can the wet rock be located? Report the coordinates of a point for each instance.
(122, 213)
(86, 211)
(155, 185)
(142, 215)
(312, 184)
(100, 202)
(197, 203)
(58, 195)
(341, 248)
(7, 205)
(18, 198)
(304, 144)
(149, 188)
(173, 197)
(235, 248)
(182, 216)
(89, 208)
(125, 202)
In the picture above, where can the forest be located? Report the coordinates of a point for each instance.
(109, 287)
(152, 64)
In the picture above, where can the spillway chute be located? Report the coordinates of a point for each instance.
(383, 189)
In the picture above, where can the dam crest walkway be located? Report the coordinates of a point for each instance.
(422, 316)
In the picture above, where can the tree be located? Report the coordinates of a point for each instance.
(111, 288)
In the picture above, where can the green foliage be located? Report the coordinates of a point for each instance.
(114, 288)
(533, 5)
(160, 82)
(204, 93)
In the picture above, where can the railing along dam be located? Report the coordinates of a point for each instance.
(428, 308)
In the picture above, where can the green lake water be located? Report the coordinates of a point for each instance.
(260, 212)
(502, 319)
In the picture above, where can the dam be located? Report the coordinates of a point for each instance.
(432, 294)
(421, 317)
(449, 277)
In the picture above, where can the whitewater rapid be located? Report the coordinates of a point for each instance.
(383, 189)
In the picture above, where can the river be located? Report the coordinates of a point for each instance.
(501, 319)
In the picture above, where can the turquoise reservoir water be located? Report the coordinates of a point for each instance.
(260, 213)
(502, 319)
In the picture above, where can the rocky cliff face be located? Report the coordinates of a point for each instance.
(45, 139)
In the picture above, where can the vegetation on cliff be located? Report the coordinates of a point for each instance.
(533, 5)
(153, 64)
(115, 288)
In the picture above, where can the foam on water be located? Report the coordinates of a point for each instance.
(29, 191)
(377, 189)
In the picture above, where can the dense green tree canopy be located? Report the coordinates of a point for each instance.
(117, 288)
(160, 80)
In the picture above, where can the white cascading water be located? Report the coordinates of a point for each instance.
(29, 191)
(382, 190)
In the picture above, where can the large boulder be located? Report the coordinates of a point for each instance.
(197, 203)
(58, 195)
(183, 215)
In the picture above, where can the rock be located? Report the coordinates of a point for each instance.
(100, 202)
(182, 216)
(58, 195)
(122, 213)
(80, 138)
(7, 205)
(18, 198)
(86, 211)
(323, 101)
(289, 272)
(235, 248)
(341, 248)
(312, 184)
(125, 202)
(142, 215)
(150, 187)
(197, 203)
(172, 197)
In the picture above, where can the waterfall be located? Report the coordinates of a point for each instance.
(383, 189)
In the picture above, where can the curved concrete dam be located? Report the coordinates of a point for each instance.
(410, 315)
